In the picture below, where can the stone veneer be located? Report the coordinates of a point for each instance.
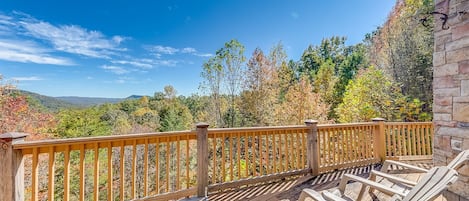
(451, 90)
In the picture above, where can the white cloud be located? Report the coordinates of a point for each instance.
(203, 54)
(32, 78)
(66, 38)
(73, 39)
(158, 50)
(140, 64)
(161, 62)
(115, 69)
(118, 39)
(28, 52)
(167, 62)
(188, 50)
(6, 20)
(26, 39)
(163, 49)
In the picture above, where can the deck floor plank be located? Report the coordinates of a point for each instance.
(289, 190)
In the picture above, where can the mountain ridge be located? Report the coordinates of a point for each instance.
(61, 102)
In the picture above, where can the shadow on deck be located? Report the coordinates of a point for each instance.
(291, 189)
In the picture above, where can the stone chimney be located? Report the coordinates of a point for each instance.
(451, 89)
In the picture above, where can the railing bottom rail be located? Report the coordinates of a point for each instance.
(171, 196)
(256, 180)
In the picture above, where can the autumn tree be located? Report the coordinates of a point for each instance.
(301, 103)
(19, 114)
(403, 47)
(260, 94)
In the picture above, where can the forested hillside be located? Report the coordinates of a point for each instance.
(387, 75)
(49, 103)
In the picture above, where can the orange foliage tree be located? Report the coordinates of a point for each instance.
(17, 115)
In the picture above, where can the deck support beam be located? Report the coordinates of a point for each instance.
(312, 146)
(202, 159)
(379, 139)
(11, 167)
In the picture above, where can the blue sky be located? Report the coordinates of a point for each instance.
(119, 48)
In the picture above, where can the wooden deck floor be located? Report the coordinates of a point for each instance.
(290, 190)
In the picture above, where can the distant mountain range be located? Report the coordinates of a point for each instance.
(88, 101)
(56, 103)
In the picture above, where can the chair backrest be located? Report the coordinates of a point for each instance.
(459, 160)
(432, 184)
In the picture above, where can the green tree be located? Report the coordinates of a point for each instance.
(310, 62)
(81, 123)
(212, 74)
(325, 80)
(223, 74)
(174, 115)
(117, 119)
(371, 94)
(232, 59)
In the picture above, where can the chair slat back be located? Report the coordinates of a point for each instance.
(432, 184)
(459, 160)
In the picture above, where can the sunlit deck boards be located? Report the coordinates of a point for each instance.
(289, 190)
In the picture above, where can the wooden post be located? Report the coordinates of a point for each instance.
(312, 146)
(11, 167)
(202, 159)
(379, 139)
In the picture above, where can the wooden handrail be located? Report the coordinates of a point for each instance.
(101, 139)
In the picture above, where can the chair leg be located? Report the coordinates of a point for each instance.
(372, 178)
(362, 191)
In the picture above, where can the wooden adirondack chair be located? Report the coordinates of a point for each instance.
(455, 164)
(428, 188)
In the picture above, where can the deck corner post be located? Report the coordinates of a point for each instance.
(312, 146)
(202, 159)
(11, 167)
(379, 142)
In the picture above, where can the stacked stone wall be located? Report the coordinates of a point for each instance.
(451, 89)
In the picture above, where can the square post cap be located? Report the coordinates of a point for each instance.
(13, 135)
(311, 121)
(378, 119)
(202, 125)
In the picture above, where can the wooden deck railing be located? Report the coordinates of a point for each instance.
(171, 165)
(407, 140)
(346, 145)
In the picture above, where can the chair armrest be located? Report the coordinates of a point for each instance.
(310, 193)
(387, 163)
(372, 184)
(331, 197)
(391, 178)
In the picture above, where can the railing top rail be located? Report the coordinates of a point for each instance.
(100, 139)
(409, 123)
(253, 129)
(345, 125)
